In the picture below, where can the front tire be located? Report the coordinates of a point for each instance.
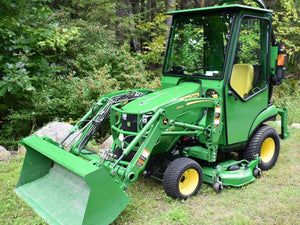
(266, 144)
(182, 178)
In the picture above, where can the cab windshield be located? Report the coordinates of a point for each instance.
(198, 45)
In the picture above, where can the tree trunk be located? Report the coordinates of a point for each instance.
(151, 7)
(143, 9)
(133, 9)
(125, 9)
(121, 12)
(202, 3)
(171, 5)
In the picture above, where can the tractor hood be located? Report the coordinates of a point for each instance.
(158, 98)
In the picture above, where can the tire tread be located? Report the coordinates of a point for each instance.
(173, 173)
(255, 143)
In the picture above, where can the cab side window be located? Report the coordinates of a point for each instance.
(249, 70)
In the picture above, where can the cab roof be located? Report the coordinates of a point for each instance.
(226, 8)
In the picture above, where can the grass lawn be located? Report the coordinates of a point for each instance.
(273, 199)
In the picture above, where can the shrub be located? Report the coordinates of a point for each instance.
(91, 65)
(287, 95)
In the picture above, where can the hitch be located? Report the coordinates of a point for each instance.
(284, 128)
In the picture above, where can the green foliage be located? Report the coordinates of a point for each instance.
(155, 45)
(96, 55)
(288, 95)
(101, 11)
(16, 79)
(249, 42)
(188, 40)
(63, 98)
(286, 24)
(86, 65)
(29, 40)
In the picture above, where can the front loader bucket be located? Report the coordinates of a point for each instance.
(66, 189)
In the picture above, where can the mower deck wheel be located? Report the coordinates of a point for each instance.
(257, 172)
(218, 186)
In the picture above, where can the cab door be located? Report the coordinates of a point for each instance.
(247, 87)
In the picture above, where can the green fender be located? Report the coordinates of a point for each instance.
(265, 115)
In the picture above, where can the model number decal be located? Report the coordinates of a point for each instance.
(194, 95)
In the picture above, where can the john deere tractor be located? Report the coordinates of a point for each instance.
(206, 124)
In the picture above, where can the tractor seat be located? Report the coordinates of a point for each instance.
(242, 78)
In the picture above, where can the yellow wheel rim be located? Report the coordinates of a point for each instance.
(188, 181)
(267, 150)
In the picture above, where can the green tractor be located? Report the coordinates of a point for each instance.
(206, 124)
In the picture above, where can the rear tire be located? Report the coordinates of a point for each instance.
(266, 144)
(182, 178)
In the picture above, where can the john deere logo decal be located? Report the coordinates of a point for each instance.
(165, 121)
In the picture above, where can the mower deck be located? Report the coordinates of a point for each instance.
(232, 173)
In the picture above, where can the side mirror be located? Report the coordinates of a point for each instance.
(278, 61)
(281, 60)
(280, 68)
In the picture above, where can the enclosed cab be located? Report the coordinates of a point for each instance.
(232, 52)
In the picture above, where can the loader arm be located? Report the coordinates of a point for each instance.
(94, 118)
(163, 123)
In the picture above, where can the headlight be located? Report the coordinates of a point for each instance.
(124, 116)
